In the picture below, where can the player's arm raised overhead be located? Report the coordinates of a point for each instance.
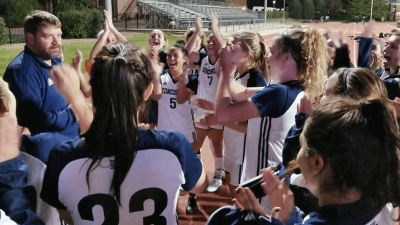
(117, 34)
(194, 56)
(100, 43)
(214, 28)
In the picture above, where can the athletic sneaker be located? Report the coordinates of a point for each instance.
(216, 182)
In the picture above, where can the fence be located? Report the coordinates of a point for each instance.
(15, 34)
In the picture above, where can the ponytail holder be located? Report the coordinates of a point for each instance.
(121, 57)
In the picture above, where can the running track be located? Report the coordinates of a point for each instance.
(209, 202)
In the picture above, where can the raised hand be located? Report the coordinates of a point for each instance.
(106, 25)
(368, 30)
(108, 19)
(66, 81)
(214, 22)
(305, 105)
(228, 67)
(199, 24)
(155, 61)
(77, 60)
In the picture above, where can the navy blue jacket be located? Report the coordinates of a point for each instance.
(17, 199)
(40, 107)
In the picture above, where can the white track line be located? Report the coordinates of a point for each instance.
(340, 27)
(347, 28)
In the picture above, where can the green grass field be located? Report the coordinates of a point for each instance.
(9, 52)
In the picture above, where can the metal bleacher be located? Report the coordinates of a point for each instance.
(167, 12)
(183, 13)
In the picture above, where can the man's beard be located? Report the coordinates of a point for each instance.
(46, 54)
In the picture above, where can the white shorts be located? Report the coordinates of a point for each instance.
(215, 127)
(235, 171)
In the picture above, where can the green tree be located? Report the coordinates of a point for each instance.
(334, 7)
(321, 8)
(295, 9)
(3, 32)
(359, 8)
(380, 9)
(65, 5)
(17, 10)
(308, 10)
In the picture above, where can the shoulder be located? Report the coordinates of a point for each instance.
(273, 90)
(59, 158)
(66, 152)
(172, 141)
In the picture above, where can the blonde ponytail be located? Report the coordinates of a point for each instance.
(314, 66)
(308, 49)
(255, 46)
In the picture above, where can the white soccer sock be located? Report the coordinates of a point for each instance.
(219, 163)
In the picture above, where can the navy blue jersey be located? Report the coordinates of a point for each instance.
(17, 198)
(39, 105)
(164, 162)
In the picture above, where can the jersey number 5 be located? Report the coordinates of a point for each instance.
(172, 103)
(111, 208)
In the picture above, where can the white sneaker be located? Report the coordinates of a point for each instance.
(214, 184)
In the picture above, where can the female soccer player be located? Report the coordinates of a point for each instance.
(207, 88)
(297, 59)
(157, 42)
(108, 176)
(356, 192)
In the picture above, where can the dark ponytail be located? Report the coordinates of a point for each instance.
(359, 142)
(119, 77)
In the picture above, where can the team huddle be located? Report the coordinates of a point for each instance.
(300, 134)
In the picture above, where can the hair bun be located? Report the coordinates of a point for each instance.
(180, 42)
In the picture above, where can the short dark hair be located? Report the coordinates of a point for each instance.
(38, 18)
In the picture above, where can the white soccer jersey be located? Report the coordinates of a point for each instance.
(234, 141)
(164, 162)
(208, 81)
(48, 214)
(266, 134)
(171, 115)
